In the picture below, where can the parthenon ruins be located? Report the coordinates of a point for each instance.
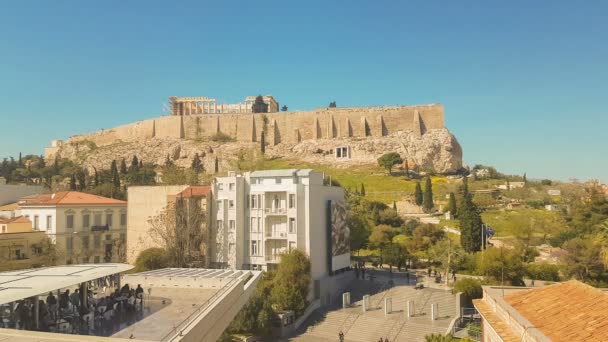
(205, 105)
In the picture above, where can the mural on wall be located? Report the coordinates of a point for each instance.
(340, 232)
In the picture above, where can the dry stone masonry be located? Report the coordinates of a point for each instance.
(338, 136)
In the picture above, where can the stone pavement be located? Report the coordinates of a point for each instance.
(374, 324)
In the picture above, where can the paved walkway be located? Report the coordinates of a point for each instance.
(370, 326)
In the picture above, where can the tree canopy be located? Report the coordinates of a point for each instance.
(389, 160)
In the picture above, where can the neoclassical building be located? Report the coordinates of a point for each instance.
(206, 105)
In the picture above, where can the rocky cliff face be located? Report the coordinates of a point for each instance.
(437, 149)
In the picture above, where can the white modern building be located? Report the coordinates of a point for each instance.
(85, 228)
(262, 214)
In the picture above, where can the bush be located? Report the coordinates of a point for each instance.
(151, 259)
(543, 271)
(470, 288)
(221, 137)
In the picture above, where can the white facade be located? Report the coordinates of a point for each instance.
(83, 233)
(262, 214)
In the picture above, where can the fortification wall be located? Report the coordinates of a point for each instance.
(281, 127)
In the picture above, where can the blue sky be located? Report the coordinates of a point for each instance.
(524, 83)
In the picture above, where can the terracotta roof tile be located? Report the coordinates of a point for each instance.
(18, 219)
(195, 191)
(495, 321)
(570, 311)
(68, 198)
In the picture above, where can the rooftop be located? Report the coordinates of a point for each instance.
(10, 207)
(195, 191)
(18, 219)
(68, 198)
(16, 285)
(282, 173)
(570, 311)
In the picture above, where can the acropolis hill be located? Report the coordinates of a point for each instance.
(343, 136)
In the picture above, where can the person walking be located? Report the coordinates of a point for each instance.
(341, 336)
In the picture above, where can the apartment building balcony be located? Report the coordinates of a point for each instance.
(275, 259)
(276, 234)
(275, 211)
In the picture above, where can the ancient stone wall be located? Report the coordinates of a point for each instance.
(281, 127)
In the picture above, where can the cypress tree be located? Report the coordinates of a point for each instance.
(73, 182)
(407, 169)
(427, 201)
(452, 204)
(134, 165)
(470, 225)
(95, 177)
(362, 189)
(465, 187)
(394, 206)
(263, 142)
(197, 165)
(217, 165)
(141, 165)
(20, 161)
(508, 185)
(525, 180)
(56, 165)
(418, 194)
(123, 167)
(115, 176)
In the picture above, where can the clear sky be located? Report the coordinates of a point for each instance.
(524, 83)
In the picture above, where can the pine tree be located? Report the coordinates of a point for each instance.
(427, 201)
(73, 182)
(470, 225)
(123, 167)
(134, 165)
(418, 194)
(452, 205)
(362, 189)
(115, 176)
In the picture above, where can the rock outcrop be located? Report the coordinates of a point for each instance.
(436, 150)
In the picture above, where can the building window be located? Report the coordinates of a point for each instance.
(254, 223)
(292, 200)
(231, 204)
(123, 219)
(254, 202)
(85, 242)
(69, 221)
(97, 241)
(292, 225)
(97, 220)
(254, 247)
(220, 186)
(232, 224)
(342, 152)
(86, 220)
(36, 226)
(109, 220)
(49, 222)
(277, 202)
(231, 186)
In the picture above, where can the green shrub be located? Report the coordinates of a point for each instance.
(221, 137)
(543, 271)
(151, 259)
(470, 288)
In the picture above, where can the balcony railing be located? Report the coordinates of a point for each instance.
(100, 228)
(273, 258)
(276, 234)
(276, 211)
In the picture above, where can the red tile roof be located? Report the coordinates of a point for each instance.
(570, 311)
(18, 219)
(68, 198)
(195, 191)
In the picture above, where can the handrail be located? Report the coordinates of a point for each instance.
(203, 306)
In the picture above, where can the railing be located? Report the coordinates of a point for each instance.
(277, 211)
(100, 228)
(276, 234)
(179, 328)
